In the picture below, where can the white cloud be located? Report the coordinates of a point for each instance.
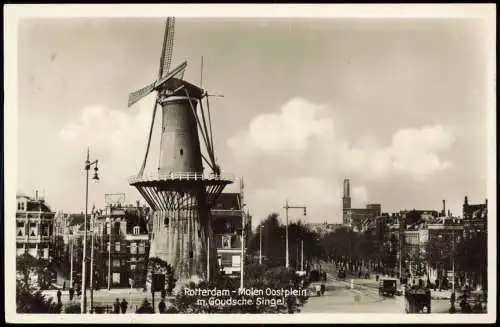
(117, 138)
(298, 130)
(302, 156)
(289, 130)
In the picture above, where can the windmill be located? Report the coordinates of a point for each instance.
(180, 193)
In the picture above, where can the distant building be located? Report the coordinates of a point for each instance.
(227, 222)
(34, 227)
(126, 229)
(475, 217)
(358, 219)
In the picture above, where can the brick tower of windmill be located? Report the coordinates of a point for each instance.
(180, 192)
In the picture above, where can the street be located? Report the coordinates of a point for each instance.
(363, 298)
(103, 297)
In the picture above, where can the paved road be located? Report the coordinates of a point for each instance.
(104, 297)
(363, 298)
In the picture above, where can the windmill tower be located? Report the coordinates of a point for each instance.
(180, 193)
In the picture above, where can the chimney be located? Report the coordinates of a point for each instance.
(137, 204)
(36, 195)
(444, 207)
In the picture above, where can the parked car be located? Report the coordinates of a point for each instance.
(387, 286)
(341, 274)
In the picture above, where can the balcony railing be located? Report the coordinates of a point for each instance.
(32, 239)
(179, 176)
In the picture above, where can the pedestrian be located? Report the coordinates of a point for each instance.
(116, 306)
(71, 293)
(124, 306)
(59, 296)
(452, 299)
(64, 285)
(78, 290)
(162, 306)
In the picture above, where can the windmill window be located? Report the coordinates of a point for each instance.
(182, 152)
(199, 233)
(166, 221)
(190, 254)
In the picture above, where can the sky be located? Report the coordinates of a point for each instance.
(397, 106)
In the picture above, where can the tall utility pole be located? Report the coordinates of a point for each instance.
(71, 262)
(287, 261)
(242, 205)
(242, 260)
(88, 164)
(260, 244)
(84, 261)
(302, 255)
(92, 264)
(208, 258)
(286, 236)
(110, 230)
(453, 263)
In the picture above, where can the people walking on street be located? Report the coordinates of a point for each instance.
(116, 306)
(162, 306)
(71, 293)
(59, 296)
(124, 306)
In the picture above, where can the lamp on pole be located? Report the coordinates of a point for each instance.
(302, 255)
(88, 165)
(242, 259)
(287, 261)
(92, 261)
(260, 244)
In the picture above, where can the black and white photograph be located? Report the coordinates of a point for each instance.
(250, 163)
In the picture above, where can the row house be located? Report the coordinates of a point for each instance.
(121, 246)
(227, 224)
(475, 218)
(34, 227)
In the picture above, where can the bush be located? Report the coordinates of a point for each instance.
(31, 301)
(275, 278)
(73, 308)
(314, 276)
(145, 307)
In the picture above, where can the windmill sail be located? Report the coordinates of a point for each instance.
(165, 61)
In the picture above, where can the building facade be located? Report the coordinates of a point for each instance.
(475, 218)
(34, 227)
(121, 246)
(227, 224)
(358, 219)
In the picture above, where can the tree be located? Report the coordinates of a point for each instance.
(30, 301)
(274, 242)
(472, 257)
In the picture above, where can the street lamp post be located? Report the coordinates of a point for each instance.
(302, 256)
(92, 263)
(71, 261)
(260, 244)
(88, 165)
(242, 259)
(287, 261)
